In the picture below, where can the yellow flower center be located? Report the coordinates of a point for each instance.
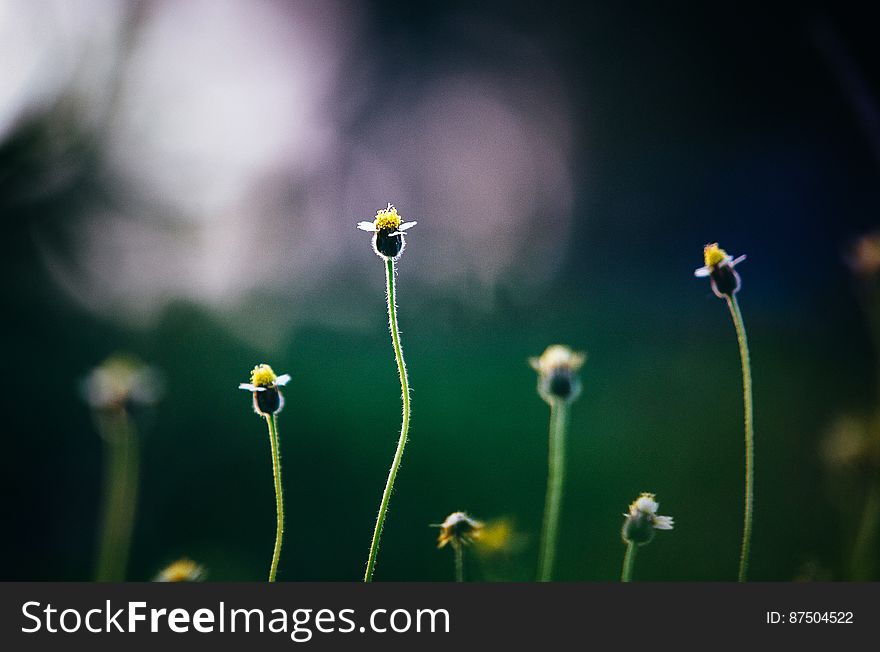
(263, 376)
(558, 356)
(713, 254)
(182, 570)
(387, 218)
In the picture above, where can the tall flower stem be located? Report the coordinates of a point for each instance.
(555, 478)
(862, 563)
(459, 563)
(404, 428)
(629, 561)
(749, 435)
(275, 443)
(120, 494)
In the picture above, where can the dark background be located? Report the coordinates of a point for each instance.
(692, 123)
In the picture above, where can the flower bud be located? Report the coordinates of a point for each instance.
(264, 385)
(557, 371)
(388, 232)
(719, 267)
(458, 529)
(642, 520)
(122, 382)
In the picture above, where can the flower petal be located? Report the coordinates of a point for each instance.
(703, 271)
(662, 522)
(283, 379)
(737, 260)
(247, 386)
(367, 226)
(406, 225)
(646, 504)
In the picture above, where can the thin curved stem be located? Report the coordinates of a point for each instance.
(120, 495)
(404, 428)
(279, 494)
(553, 500)
(629, 561)
(749, 436)
(459, 562)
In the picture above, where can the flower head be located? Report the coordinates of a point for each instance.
(121, 382)
(864, 258)
(499, 537)
(557, 371)
(183, 570)
(264, 385)
(719, 268)
(458, 529)
(852, 444)
(642, 520)
(388, 230)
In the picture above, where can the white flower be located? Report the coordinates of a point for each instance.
(264, 384)
(557, 371)
(719, 268)
(645, 504)
(458, 529)
(388, 230)
(120, 382)
(642, 519)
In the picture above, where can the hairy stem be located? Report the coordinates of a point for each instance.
(629, 561)
(555, 478)
(459, 562)
(404, 428)
(749, 435)
(275, 443)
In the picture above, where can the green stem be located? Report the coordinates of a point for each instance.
(870, 300)
(404, 428)
(749, 435)
(629, 561)
(555, 477)
(279, 496)
(459, 562)
(120, 495)
(862, 564)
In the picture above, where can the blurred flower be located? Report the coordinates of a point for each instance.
(458, 529)
(557, 371)
(852, 443)
(264, 385)
(388, 230)
(642, 520)
(120, 382)
(499, 536)
(719, 268)
(864, 258)
(183, 570)
(495, 536)
(113, 389)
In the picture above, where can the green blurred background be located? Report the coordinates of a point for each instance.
(752, 126)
